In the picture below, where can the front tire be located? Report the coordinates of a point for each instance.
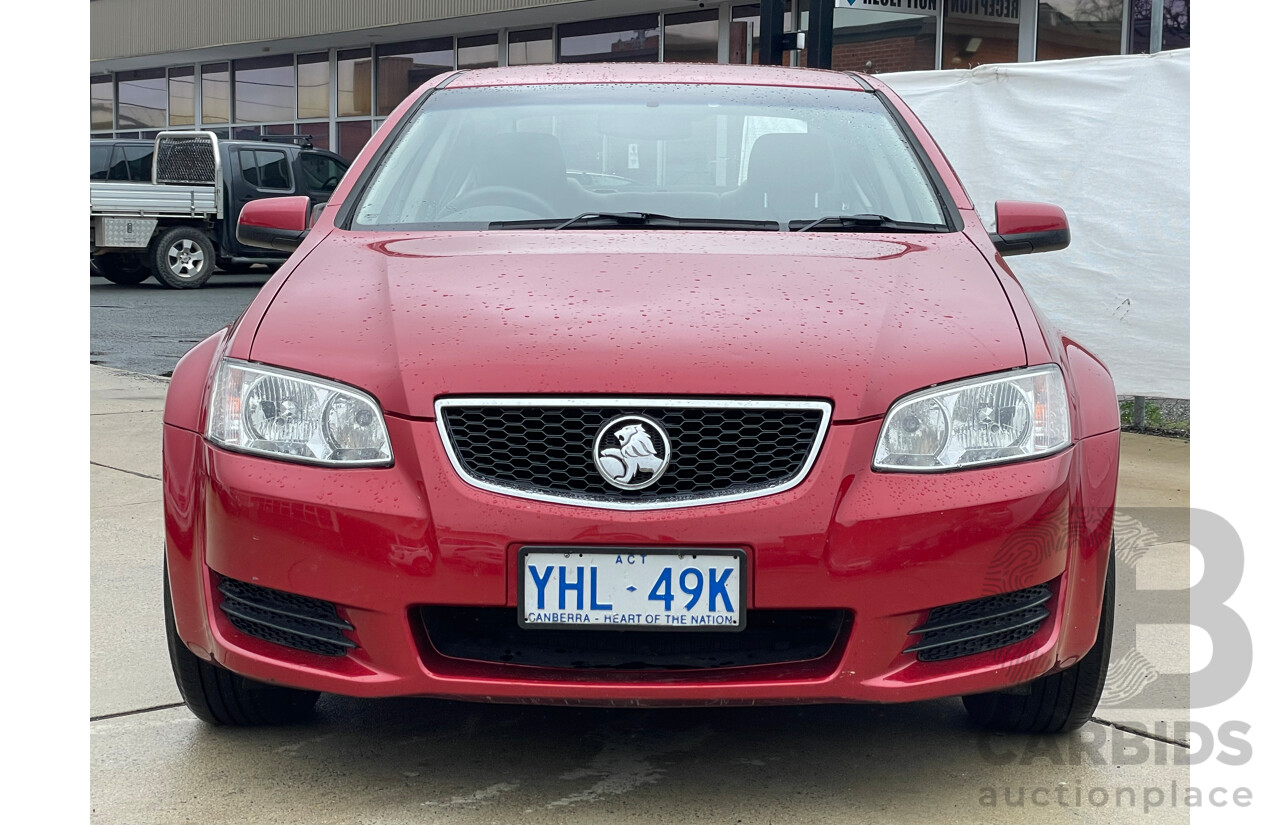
(1059, 702)
(183, 258)
(220, 697)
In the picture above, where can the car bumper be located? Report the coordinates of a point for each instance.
(884, 548)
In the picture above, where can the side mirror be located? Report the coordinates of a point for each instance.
(1023, 227)
(274, 223)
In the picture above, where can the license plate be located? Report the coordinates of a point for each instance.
(631, 588)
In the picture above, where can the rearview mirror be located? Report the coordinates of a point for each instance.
(1023, 227)
(274, 223)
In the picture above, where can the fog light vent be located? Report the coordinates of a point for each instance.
(287, 619)
(979, 625)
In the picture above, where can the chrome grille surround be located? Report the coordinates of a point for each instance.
(654, 498)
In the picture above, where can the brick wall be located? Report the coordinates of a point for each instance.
(898, 54)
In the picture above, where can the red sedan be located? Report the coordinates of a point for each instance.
(643, 385)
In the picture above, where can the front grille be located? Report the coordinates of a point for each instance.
(979, 625)
(288, 619)
(491, 634)
(720, 450)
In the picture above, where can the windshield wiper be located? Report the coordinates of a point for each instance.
(587, 219)
(863, 223)
(609, 220)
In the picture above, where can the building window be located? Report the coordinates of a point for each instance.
(1175, 32)
(352, 136)
(265, 89)
(691, 37)
(867, 39)
(144, 99)
(355, 82)
(313, 85)
(319, 133)
(215, 93)
(630, 39)
(182, 96)
(102, 102)
(977, 32)
(1177, 25)
(480, 52)
(1078, 28)
(531, 47)
(744, 32)
(403, 67)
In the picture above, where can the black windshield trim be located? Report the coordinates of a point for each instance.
(950, 210)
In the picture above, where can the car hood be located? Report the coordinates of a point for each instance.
(859, 319)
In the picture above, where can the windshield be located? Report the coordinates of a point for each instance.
(545, 154)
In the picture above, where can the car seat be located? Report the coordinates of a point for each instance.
(790, 176)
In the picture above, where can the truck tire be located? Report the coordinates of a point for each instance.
(182, 258)
(122, 268)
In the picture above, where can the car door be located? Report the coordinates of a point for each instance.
(320, 173)
(118, 166)
(99, 160)
(261, 172)
(138, 159)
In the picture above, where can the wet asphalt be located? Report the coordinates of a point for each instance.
(148, 327)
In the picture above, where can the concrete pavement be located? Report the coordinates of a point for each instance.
(414, 760)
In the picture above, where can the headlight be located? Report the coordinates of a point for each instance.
(284, 414)
(979, 421)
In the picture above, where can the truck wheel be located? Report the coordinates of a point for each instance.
(220, 697)
(1059, 702)
(122, 268)
(182, 258)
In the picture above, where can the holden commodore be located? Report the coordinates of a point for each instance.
(774, 423)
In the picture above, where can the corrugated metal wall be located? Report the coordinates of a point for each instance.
(131, 28)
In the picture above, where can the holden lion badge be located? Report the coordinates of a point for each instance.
(632, 451)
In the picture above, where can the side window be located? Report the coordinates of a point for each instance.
(322, 172)
(119, 169)
(138, 159)
(266, 169)
(99, 157)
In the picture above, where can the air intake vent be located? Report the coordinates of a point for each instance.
(993, 622)
(286, 619)
(491, 634)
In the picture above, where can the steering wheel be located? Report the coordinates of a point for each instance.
(331, 184)
(502, 196)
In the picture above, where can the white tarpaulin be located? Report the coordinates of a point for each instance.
(1109, 140)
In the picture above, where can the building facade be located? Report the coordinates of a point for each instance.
(334, 69)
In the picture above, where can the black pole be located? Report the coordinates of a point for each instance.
(821, 28)
(771, 32)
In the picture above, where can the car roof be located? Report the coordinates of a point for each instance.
(708, 73)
